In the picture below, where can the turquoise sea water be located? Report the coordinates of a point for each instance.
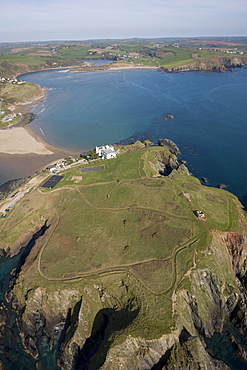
(82, 110)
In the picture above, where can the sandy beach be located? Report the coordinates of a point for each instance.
(132, 66)
(23, 153)
(116, 66)
(20, 140)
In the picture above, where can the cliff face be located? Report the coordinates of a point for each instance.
(212, 306)
(220, 64)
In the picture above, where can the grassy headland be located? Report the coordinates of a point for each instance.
(125, 219)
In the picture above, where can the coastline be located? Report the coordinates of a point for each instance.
(22, 141)
(23, 153)
(24, 107)
(21, 157)
(25, 140)
(115, 66)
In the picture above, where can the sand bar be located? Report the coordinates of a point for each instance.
(133, 66)
(19, 140)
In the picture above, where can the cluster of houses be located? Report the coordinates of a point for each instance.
(12, 80)
(9, 117)
(125, 56)
(235, 51)
(58, 166)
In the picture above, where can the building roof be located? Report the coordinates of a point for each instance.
(108, 151)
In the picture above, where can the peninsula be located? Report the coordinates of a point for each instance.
(137, 265)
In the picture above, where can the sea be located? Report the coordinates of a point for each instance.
(82, 110)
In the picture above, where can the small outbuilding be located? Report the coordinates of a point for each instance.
(200, 215)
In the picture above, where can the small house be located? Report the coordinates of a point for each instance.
(52, 167)
(108, 154)
(106, 151)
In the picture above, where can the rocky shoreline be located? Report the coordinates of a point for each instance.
(190, 344)
(8, 187)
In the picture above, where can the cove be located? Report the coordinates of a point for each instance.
(83, 110)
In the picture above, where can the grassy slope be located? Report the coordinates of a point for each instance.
(120, 222)
(16, 64)
(13, 93)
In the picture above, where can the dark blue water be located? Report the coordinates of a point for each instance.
(210, 109)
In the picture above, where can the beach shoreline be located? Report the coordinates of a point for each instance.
(23, 150)
(22, 141)
(23, 153)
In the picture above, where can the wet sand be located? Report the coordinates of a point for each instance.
(20, 140)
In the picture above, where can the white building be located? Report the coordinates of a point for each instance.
(106, 151)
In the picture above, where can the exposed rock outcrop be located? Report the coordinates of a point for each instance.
(45, 317)
(62, 315)
(167, 163)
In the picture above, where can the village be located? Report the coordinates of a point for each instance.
(103, 152)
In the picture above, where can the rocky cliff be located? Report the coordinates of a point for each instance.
(217, 64)
(90, 322)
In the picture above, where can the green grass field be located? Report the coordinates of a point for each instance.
(13, 93)
(121, 218)
(127, 230)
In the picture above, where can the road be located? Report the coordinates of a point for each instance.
(11, 202)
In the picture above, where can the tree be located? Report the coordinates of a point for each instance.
(92, 154)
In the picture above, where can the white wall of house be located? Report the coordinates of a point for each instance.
(106, 151)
